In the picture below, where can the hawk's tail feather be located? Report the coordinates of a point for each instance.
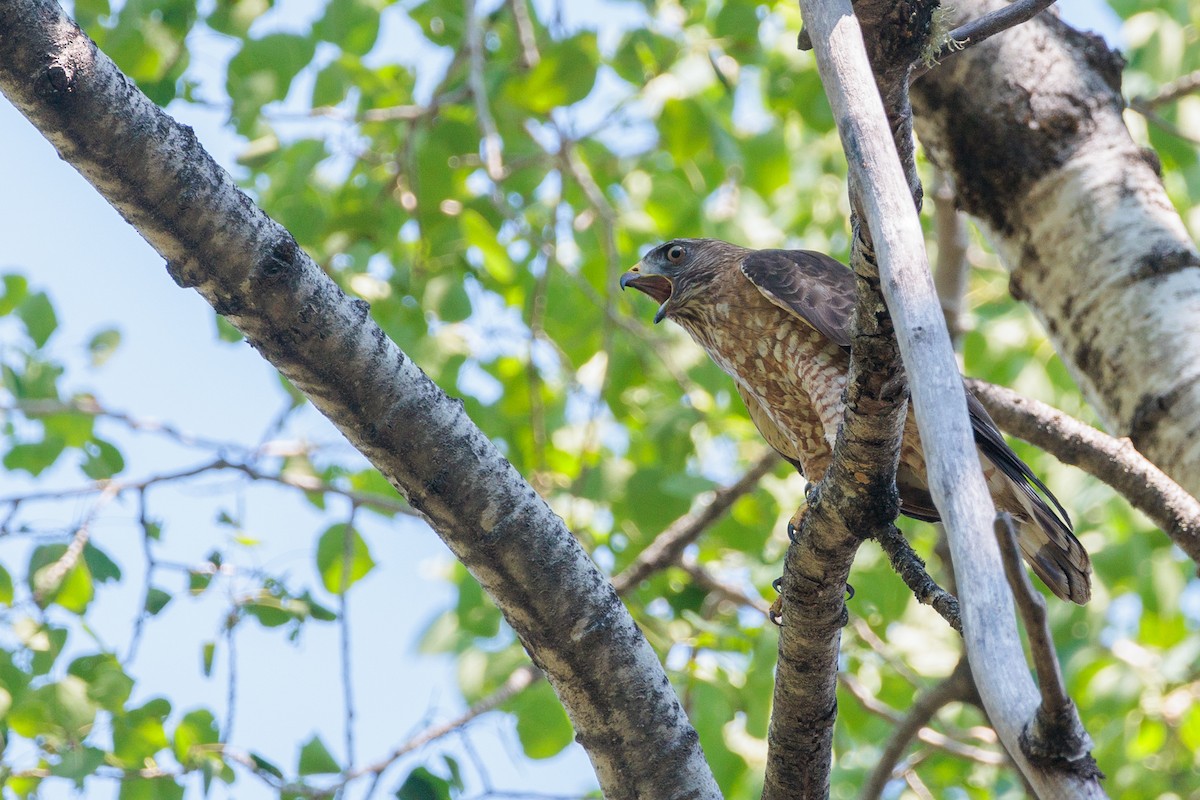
(1055, 554)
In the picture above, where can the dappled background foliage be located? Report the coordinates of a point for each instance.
(483, 183)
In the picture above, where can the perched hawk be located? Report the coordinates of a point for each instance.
(778, 322)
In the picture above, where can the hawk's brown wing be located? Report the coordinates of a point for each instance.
(812, 286)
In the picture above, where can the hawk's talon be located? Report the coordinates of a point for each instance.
(775, 612)
(777, 584)
(793, 526)
(849, 591)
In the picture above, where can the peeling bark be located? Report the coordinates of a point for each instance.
(215, 240)
(1029, 125)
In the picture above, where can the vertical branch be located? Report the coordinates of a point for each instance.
(530, 57)
(952, 270)
(955, 480)
(344, 631)
(491, 137)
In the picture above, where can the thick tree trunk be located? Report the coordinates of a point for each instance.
(215, 240)
(1029, 124)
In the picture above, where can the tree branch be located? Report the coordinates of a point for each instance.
(669, 545)
(249, 269)
(954, 476)
(956, 687)
(1056, 738)
(911, 569)
(980, 30)
(1114, 461)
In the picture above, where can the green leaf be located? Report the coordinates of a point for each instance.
(140, 733)
(77, 763)
(135, 787)
(6, 587)
(103, 345)
(332, 558)
(103, 568)
(195, 734)
(421, 784)
(207, 653)
(234, 17)
(351, 24)
(156, 600)
(103, 460)
(315, 758)
(262, 72)
(107, 683)
(16, 289)
(34, 457)
(565, 75)
(266, 766)
(479, 233)
(226, 332)
(542, 724)
(38, 315)
(72, 590)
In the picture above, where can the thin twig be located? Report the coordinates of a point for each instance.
(1114, 461)
(982, 29)
(344, 629)
(927, 735)
(1185, 84)
(483, 114)
(525, 35)
(706, 580)
(1055, 736)
(911, 569)
(669, 545)
(521, 679)
(951, 270)
(956, 687)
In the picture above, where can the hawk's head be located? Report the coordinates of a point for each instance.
(681, 271)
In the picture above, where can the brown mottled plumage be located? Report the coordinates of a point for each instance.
(778, 322)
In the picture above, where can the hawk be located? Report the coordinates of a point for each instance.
(778, 323)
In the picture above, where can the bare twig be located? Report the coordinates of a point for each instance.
(525, 35)
(706, 580)
(983, 28)
(1114, 461)
(1185, 84)
(924, 734)
(669, 545)
(956, 687)
(521, 679)
(951, 270)
(911, 569)
(1056, 737)
(487, 124)
(344, 628)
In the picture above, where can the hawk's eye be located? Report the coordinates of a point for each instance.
(675, 254)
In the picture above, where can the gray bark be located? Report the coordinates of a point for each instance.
(249, 269)
(1029, 125)
(955, 479)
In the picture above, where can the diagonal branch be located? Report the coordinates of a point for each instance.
(1114, 461)
(154, 171)
(668, 546)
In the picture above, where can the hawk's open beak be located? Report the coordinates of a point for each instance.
(656, 286)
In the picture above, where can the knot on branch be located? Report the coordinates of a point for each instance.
(1056, 739)
(281, 258)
